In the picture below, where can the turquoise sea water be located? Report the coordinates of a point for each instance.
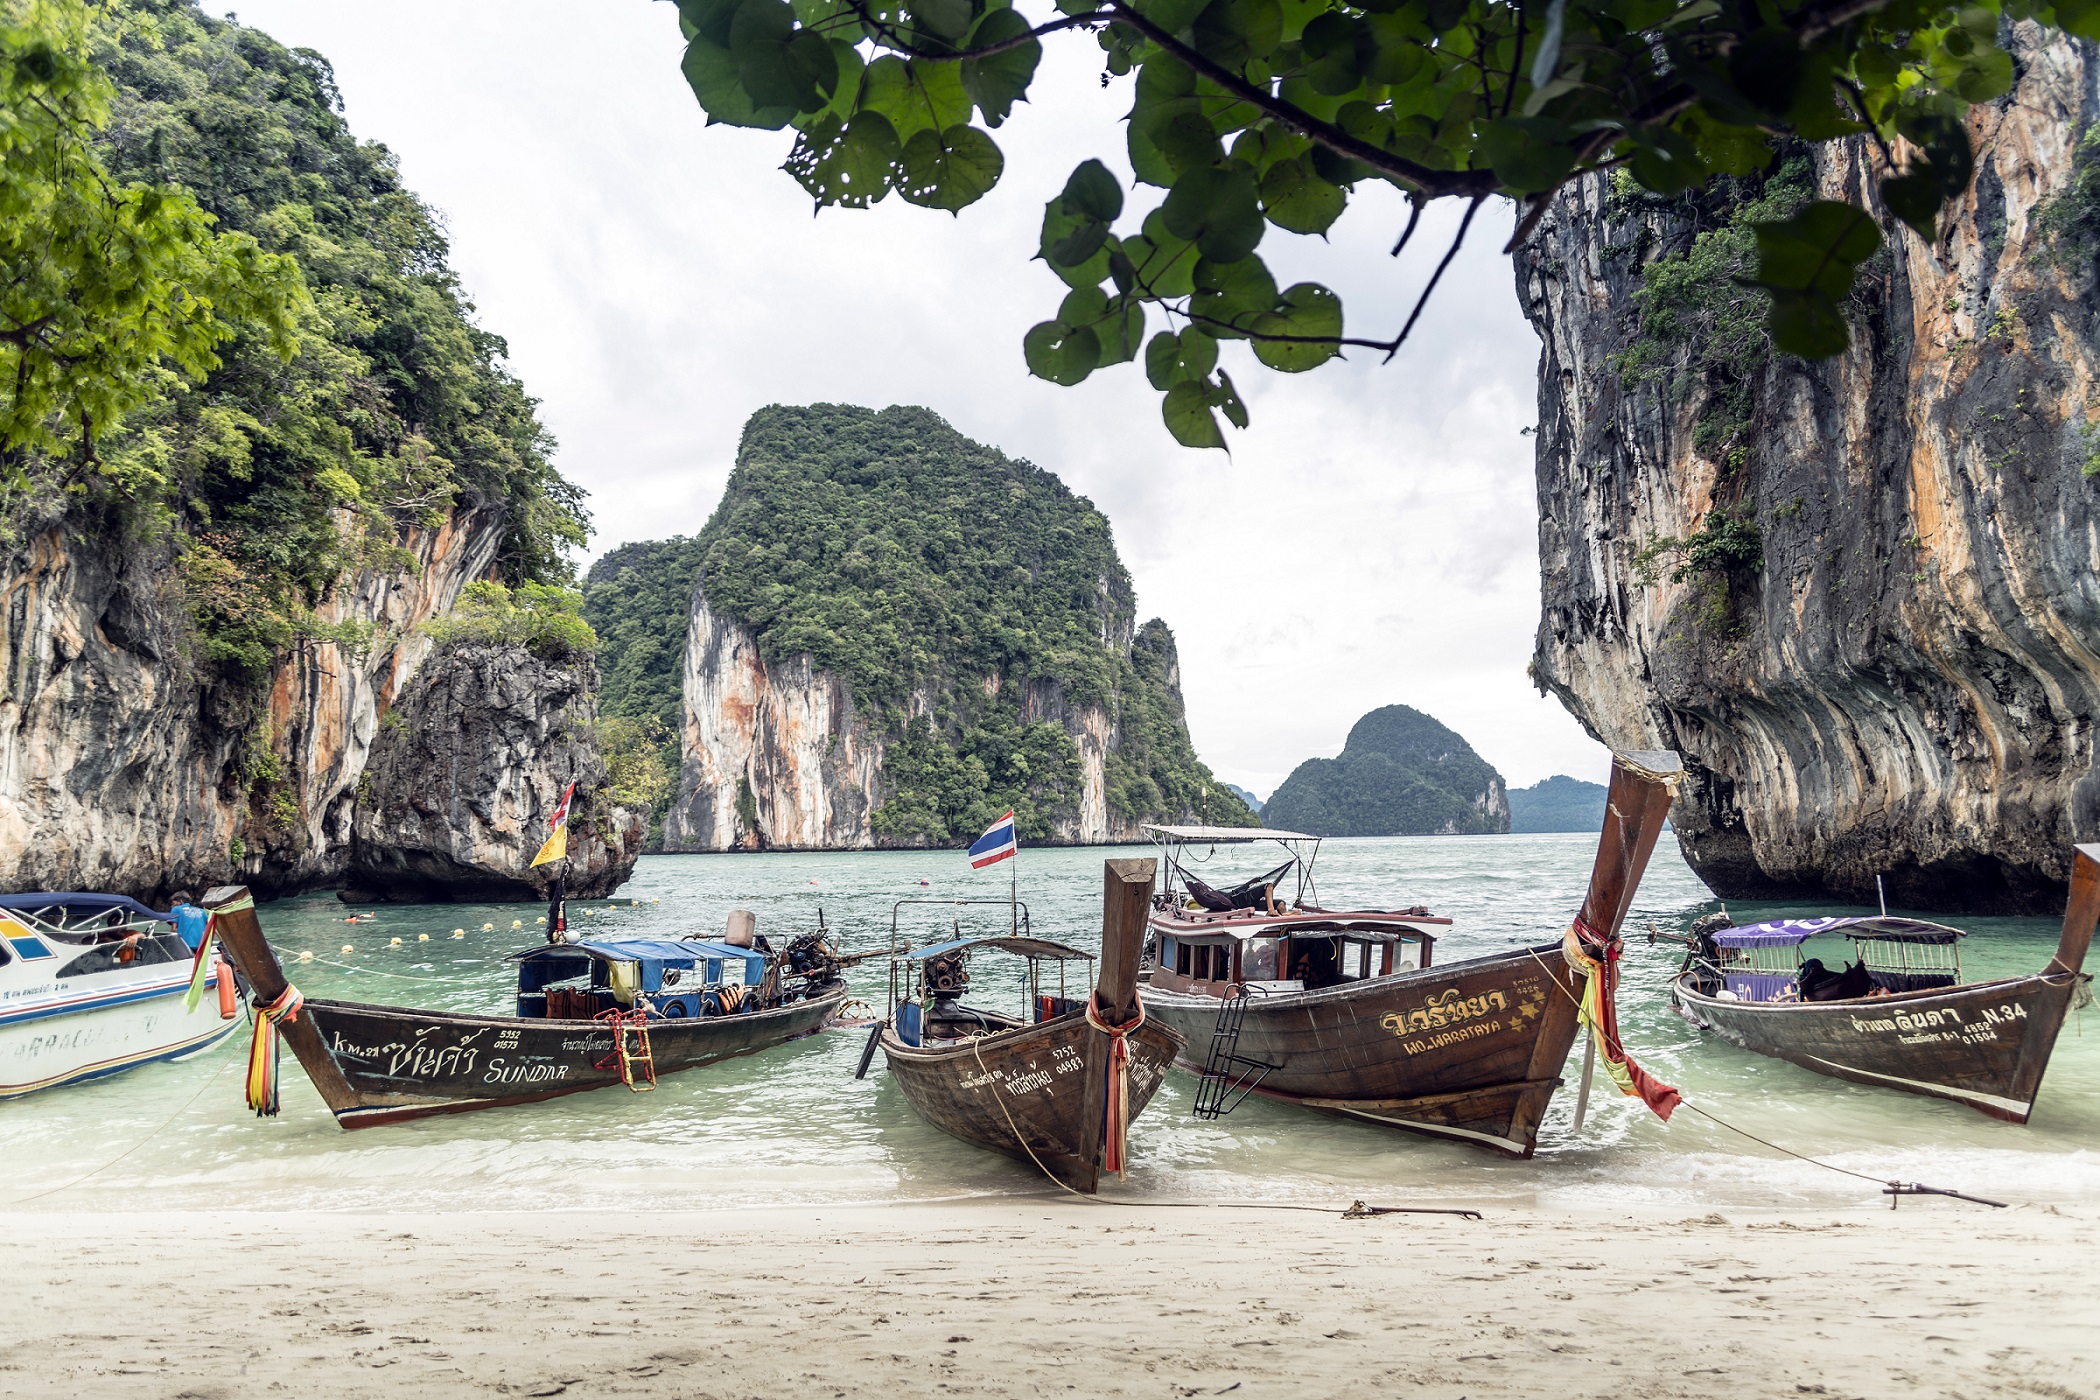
(793, 1126)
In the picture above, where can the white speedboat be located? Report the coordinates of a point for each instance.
(91, 984)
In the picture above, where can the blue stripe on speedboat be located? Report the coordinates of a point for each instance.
(108, 999)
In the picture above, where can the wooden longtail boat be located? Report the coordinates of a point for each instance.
(1917, 1026)
(1344, 1011)
(633, 1009)
(1059, 1086)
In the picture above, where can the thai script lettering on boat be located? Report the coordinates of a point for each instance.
(1446, 1008)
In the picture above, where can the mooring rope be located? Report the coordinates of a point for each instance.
(188, 1104)
(1890, 1188)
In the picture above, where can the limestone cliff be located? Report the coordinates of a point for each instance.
(896, 634)
(126, 766)
(123, 767)
(1862, 597)
(469, 762)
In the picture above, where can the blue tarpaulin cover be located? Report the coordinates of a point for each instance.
(1781, 932)
(665, 952)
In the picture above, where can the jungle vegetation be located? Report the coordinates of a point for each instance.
(294, 383)
(942, 580)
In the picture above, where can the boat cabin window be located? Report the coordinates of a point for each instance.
(143, 951)
(1258, 960)
(1206, 962)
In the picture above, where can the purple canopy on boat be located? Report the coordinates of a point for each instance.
(1783, 932)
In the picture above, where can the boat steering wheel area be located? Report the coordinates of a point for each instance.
(927, 984)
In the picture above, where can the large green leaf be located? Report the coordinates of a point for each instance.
(713, 74)
(778, 65)
(915, 96)
(1060, 353)
(1807, 263)
(1231, 297)
(849, 164)
(1216, 208)
(1295, 198)
(1170, 357)
(996, 83)
(948, 169)
(1525, 153)
(944, 19)
(1164, 265)
(1092, 191)
(1186, 409)
(1308, 309)
(1815, 251)
(1059, 230)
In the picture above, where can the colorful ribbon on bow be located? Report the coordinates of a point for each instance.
(262, 1051)
(1596, 957)
(1115, 1126)
(199, 966)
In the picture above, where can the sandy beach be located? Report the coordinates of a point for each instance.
(1020, 1297)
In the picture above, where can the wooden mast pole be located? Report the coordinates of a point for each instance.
(1634, 812)
(2081, 912)
(1642, 785)
(1126, 901)
(240, 934)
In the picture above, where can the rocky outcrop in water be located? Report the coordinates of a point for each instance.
(467, 767)
(1400, 773)
(1883, 657)
(125, 766)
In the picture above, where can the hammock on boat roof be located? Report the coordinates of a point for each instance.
(1246, 895)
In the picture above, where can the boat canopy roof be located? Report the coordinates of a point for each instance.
(1226, 833)
(1369, 926)
(1026, 947)
(678, 953)
(76, 904)
(1873, 927)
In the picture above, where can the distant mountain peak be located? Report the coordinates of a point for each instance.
(1400, 773)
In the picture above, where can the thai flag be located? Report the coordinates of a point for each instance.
(995, 845)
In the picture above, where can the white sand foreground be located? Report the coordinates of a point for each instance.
(1033, 1296)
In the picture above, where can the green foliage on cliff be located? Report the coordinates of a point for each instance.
(637, 599)
(1401, 773)
(2069, 221)
(545, 619)
(892, 549)
(276, 475)
(1700, 330)
(913, 562)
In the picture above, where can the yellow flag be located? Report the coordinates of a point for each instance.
(557, 847)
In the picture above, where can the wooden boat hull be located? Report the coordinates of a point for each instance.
(1026, 1092)
(393, 1063)
(1984, 1044)
(1471, 1051)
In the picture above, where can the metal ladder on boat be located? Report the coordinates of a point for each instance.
(1228, 1076)
(631, 1051)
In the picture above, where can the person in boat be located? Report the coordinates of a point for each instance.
(1313, 962)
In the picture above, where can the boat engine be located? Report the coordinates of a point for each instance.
(947, 977)
(810, 956)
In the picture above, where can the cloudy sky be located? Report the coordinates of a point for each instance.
(1371, 540)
